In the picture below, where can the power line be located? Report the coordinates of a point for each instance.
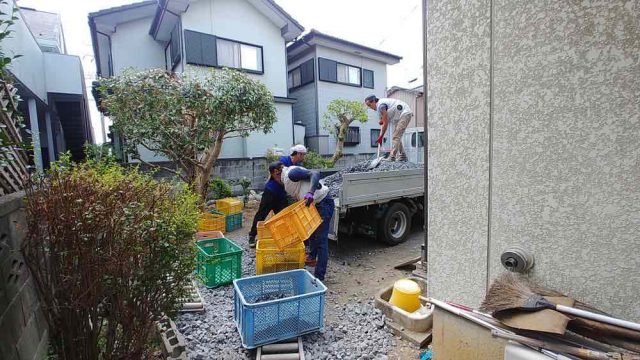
(402, 22)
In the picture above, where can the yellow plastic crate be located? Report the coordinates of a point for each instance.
(211, 222)
(270, 259)
(229, 206)
(263, 232)
(294, 224)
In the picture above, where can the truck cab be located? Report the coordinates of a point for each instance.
(413, 142)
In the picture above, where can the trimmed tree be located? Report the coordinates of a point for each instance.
(186, 120)
(339, 115)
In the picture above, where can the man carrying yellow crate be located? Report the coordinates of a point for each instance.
(300, 184)
(273, 198)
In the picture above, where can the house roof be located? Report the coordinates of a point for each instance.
(418, 90)
(315, 37)
(106, 20)
(168, 11)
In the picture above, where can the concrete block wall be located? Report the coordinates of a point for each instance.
(534, 126)
(23, 328)
(255, 169)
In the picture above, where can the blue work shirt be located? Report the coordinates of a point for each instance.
(286, 161)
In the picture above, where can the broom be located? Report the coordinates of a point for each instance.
(509, 291)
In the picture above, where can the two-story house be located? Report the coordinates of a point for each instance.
(323, 68)
(194, 36)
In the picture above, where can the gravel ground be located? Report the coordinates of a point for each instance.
(334, 182)
(356, 330)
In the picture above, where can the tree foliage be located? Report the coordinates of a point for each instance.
(186, 119)
(339, 115)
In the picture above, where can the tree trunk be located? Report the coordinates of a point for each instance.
(203, 174)
(342, 133)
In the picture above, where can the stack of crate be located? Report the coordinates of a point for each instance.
(211, 221)
(232, 209)
(280, 244)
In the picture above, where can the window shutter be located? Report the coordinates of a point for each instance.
(209, 50)
(200, 48)
(327, 70)
(192, 47)
(367, 78)
(306, 72)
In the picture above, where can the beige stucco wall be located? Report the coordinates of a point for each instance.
(534, 121)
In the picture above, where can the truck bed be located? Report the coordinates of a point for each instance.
(361, 189)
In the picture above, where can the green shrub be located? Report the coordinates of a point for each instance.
(314, 160)
(110, 251)
(220, 188)
(271, 156)
(245, 182)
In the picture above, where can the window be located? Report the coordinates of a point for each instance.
(367, 79)
(302, 75)
(333, 71)
(294, 78)
(176, 46)
(348, 74)
(173, 51)
(420, 139)
(352, 137)
(210, 50)
(375, 133)
(240, 56)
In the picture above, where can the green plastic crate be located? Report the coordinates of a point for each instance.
(233, 222)
(219, 262)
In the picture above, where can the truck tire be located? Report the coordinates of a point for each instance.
(395, 225)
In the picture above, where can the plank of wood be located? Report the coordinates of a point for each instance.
(407, 262)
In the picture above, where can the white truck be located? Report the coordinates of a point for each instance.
(383, 204)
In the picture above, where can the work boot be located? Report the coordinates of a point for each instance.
(310, 262)
(252, 241)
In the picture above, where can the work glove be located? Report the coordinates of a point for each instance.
(308, 198)
(380, 123)
(379, 141)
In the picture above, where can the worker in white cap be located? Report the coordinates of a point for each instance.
(297, 156)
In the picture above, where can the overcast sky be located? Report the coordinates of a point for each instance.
(389, 25)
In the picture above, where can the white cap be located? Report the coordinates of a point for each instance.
(299, 149)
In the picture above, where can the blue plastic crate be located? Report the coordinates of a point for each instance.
(233, 222)
(300, 310)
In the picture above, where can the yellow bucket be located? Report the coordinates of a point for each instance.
(405, 295)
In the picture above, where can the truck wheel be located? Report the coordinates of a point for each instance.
(395, 225)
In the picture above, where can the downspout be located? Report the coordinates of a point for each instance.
(293, 121)
(425, 252)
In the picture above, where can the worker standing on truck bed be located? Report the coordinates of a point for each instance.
(300, 184)
(399, 114)
(296, 158)
(273, 198)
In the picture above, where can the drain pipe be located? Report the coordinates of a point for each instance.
(425, 246)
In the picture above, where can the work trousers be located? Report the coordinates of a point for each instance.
(397, 150)
(319, 240)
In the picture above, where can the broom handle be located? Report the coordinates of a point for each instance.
(539, 344)
(597, 317)
(378, 151)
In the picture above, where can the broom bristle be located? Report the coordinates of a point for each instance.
(508, 291)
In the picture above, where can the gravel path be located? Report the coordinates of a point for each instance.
(334, 182)
(356, 333)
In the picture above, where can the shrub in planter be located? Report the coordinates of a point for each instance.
(110, 250)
